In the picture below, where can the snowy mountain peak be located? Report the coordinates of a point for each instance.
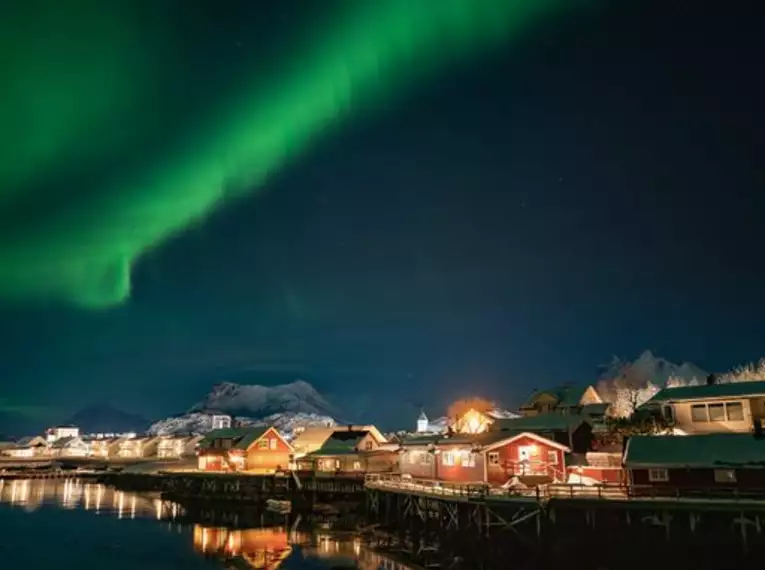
(259, 401)
(651, 369)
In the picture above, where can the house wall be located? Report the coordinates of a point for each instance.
(684, 421)
(417, 462)
(540, 461)
(268, 456)
(368, 443)
(211, 462)
(459, 472)
(699, 479)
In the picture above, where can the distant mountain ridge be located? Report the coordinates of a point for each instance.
(650, 369)
(285, 406)
(260, 401)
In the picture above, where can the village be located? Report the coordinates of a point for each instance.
(704, 440)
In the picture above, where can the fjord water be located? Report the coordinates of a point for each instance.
(57, 524)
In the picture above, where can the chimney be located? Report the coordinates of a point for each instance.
(711, 380)
(758, 428)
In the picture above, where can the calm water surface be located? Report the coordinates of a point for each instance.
(74, 525)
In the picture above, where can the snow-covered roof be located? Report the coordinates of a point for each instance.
(708, 391)
(242, 437)
(312, 437)
(718, 450)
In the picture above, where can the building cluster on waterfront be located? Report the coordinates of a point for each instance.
(707, 436)
(62, 442)
(710, 437)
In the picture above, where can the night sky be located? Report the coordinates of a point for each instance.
(494, 213)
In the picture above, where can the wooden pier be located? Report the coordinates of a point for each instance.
(304, 490)
(431, 522)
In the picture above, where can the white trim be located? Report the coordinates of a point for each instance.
(278, 435)
(539, 438)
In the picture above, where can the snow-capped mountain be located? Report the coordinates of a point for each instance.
(260, 401)
(201, 422)
(650, 369)
(286, 406)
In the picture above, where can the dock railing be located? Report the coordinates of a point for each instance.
(606, 492)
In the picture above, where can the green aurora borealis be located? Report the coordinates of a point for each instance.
(115, 137)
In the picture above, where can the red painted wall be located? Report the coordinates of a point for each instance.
(509, 454)
(700, 479)
(459, 473)
(278, 458)
(410, 463)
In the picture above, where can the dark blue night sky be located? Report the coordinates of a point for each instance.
(594, 189)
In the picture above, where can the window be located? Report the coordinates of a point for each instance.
(467, 459)
(426, 458)
(734, 411)
(447, 458)
(658, 475)
(669, 414)
(725, 475)
(272, 443)
(699, 413)
(263, 444)
(716, 412)
(494, 458)
(552, 457)
(368, 445)
(357, 465)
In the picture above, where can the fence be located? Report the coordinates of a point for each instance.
(617, 492)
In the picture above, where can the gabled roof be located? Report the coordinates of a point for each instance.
(708, 391)
(486, 441)
(32, 440)
(567, 395)
(315, 436)
(719, 450)
(64, 442)
(541, 422)
(422, 416)
(241, 438)
(530, 435)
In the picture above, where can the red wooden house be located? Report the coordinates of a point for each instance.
(260, 450)
(723, 462)
(491, 457)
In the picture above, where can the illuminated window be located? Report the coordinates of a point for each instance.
(658, 475)
(447, 458)
(357, 465)
(263, 444)
(272, 443)
(494, 458)
(467, 459)
(552, 457)
(725, 475)
(699, 413)
(716, 412)
(735, 412)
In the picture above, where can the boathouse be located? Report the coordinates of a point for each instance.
(572, 431)
(492, 457)
(566, 399)
(351, 450)
(175, 447)
(254, 449)
(711, 461)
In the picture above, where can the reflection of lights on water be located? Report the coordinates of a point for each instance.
(99, 496)
(158, 508)
(120, 503)
(132, 507)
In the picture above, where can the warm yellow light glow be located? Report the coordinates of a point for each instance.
(473, 422)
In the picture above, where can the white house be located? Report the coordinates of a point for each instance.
(221, 421)
(422, 422)
(55, 433)
(70, 447)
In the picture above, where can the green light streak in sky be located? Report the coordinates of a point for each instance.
(82, 248)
